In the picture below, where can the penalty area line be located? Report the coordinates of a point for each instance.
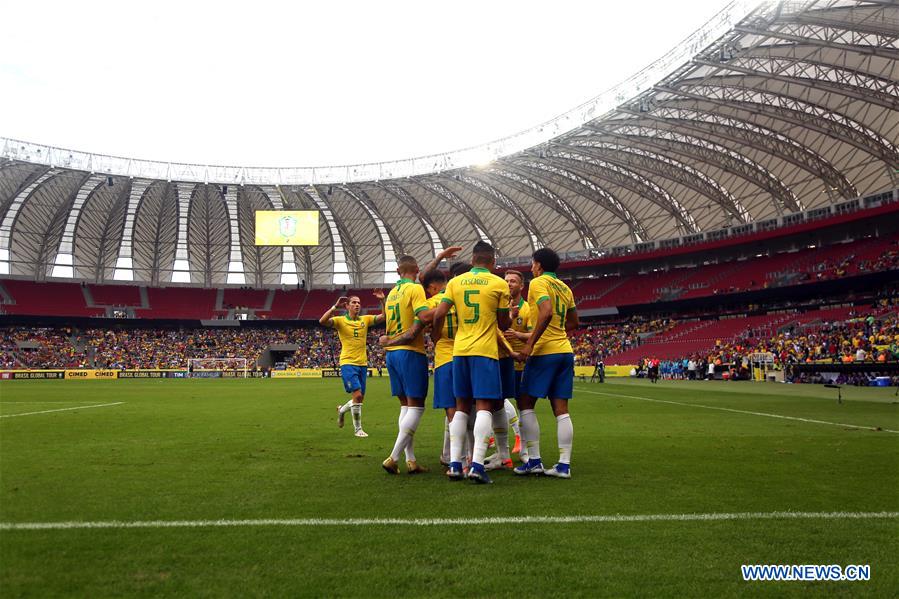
(521, 520)
(765, 414)
(98, 405)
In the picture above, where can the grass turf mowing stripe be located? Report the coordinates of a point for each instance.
(99, 405)
(118, 524)
(781, 416)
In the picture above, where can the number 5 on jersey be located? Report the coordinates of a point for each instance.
(477, 307)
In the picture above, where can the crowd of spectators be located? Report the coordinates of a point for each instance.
(855, 379)
(41, 347)
(594, 343)
(863, 338)
(320, 348)
(859, 340)
(120, 348)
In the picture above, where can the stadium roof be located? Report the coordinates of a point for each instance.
(767, 110)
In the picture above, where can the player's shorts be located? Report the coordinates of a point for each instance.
(476, 377)
(550, 375)
(444, 396)
(353, 377)
(518, 374)
(408, 372)
(507, 377)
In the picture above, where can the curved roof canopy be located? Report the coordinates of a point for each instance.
(766, 110)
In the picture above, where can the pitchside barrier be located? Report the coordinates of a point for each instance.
(87, 374)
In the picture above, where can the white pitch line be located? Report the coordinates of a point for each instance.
(99, 405)
(347, 522)
(3, 403)
(781, 416)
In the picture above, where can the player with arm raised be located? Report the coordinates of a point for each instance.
(447, 253)
(407, 363)
(352, 330)
(549, 371)
(481, 300)
(442, 332)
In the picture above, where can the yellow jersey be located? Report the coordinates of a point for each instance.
(548, 288)
(477, 296)
(443, 349)
(403, 304)
(353, 334)
(521, 324)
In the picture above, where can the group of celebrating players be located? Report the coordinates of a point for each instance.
(490, 345)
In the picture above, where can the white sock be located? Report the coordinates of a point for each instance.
(399, 425)
(483, 426)
(512, 414)
(499, 421)
(399, 428)
(415, 415)
(346, 407)
(356, 410)
(469, 440)
(566, 434)
(407, 432)
(458, 433)
(445, 454)
(530, 433)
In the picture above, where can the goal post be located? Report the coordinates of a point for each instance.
(761, 363)
(203, 367)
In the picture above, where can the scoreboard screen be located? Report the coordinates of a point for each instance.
(287, 227)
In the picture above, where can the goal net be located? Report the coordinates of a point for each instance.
(203, 367)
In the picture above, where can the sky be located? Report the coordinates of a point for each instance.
(314, 83)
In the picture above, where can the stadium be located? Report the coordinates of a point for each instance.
(727, 221)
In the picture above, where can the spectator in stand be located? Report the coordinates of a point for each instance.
(864, 338)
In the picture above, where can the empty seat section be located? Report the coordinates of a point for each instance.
(48, 299)
(704, 278)
(701, 337)
(640, 289)
(115, 295)
(180, 302)
(318, 301)
(286, 304)
(245, 298)
(590, 292)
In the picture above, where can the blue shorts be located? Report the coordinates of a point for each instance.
(507, 377)
(551, 376)
(443, 387)
(353, 377)
(476, 377)
(408, 372)
(518, 374)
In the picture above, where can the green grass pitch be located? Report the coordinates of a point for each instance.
(192, 450)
